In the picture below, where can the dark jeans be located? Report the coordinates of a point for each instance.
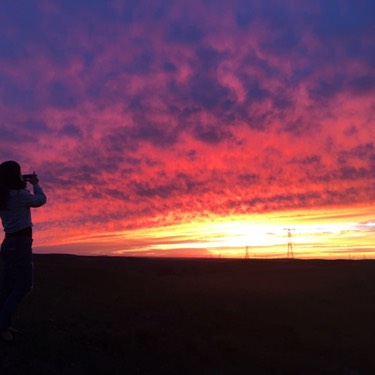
(17, 277)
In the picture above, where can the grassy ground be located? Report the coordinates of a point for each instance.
(98, 315)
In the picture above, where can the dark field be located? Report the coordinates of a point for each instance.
(98, 315)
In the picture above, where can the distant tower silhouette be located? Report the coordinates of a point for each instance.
(290, 254)
(247, 252)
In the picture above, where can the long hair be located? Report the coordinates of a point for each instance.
(10, 178)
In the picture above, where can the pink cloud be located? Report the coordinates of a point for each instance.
(135, 112)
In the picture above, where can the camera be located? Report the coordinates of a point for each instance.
(28, 177)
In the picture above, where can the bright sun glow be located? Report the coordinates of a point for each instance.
(315, 234)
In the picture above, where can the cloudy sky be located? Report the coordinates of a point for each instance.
(194, 127)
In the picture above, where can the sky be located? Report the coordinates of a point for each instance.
(194, 127)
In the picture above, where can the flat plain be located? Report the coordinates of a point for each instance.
(107, 315)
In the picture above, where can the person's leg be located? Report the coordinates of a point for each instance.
(18, 260)
(6, 280)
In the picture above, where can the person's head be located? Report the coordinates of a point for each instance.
(10, 178)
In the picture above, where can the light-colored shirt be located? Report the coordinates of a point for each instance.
(17, 216)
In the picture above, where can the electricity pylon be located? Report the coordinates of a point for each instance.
(290, 254)
(247, 252)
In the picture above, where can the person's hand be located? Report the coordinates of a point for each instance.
(34, 180)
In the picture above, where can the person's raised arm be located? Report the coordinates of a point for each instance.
(38, 198)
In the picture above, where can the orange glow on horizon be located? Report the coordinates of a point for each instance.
(321, 233)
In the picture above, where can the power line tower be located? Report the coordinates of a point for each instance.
(247, 256)
(290, 254)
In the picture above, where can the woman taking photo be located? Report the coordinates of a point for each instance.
(16, 251)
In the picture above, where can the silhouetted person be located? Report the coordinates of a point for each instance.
(16, 249)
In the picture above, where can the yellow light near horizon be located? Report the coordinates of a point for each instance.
(318, 233)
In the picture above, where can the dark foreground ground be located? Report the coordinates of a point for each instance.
(98, 315)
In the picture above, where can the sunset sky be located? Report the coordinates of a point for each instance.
(194, 127)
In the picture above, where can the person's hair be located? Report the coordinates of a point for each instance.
(10, 172)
